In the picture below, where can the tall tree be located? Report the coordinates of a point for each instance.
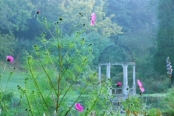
(165, 38)
(131, 14)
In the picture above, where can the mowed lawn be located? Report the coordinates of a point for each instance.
(10, 79)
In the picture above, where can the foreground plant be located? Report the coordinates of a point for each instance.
(59, 78)
(5, 94)
(167, 105)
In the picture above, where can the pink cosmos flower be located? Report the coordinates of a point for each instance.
(142, 89)
(119, 84)
(10, 59)
(140, 85)
(79, 107)
(93, 19)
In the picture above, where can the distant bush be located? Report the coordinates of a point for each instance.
(154, 112)
(168, 103)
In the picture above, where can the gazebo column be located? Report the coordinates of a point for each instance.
(108, 76)
(134, 80)
(125, 87)
(99, 75)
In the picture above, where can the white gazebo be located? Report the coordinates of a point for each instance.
(125, 87)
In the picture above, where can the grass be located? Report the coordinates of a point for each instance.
(11, 78)
(18, 78)
(155, 95)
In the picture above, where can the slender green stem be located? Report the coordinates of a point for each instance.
(28, 101)
(9, 78)
(36, 104)
(17, 108)
(76, 100)
(40, 93)
(60, 61)
(57, 94)
(170, 80)
(59, 78)
(94, 102)
(48, 77)
(70, 86)
(66, 69)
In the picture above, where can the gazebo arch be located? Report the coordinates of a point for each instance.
(125, 88)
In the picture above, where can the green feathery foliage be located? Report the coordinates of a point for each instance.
(59, 76)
